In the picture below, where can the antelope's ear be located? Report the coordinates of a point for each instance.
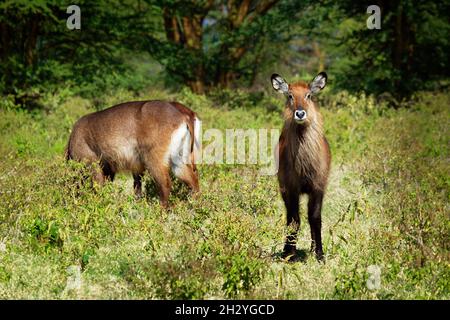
(318, 82)
(279, 84)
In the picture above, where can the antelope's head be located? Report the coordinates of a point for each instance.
(299, 106)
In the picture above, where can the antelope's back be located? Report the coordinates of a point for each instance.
(127, 134)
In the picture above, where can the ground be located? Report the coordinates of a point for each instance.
(385, 216)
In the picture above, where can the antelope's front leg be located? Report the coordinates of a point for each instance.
(291, 201)
(315, 222)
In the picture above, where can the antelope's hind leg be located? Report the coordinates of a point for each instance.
(137, 185)
(160, 174)
(181, 158)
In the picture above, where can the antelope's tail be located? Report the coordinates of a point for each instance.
(194, 126)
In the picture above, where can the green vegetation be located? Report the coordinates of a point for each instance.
(386, 111)
(387, 205)
(208, 44)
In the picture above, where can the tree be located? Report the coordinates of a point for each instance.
(38, 52)
(408, 53)
(214, 43)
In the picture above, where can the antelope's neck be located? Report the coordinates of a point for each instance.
(304, 136)
(305, 147)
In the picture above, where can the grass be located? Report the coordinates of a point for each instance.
(387, 205)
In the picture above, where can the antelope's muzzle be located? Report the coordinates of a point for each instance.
(299, 115)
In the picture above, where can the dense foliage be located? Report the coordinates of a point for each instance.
(408, 53)
(208, 44)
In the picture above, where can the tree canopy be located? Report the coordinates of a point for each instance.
(206, 44)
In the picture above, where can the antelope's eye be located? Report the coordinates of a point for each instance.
(291, 97)
(308, 96)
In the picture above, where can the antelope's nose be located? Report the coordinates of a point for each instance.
(299, 115)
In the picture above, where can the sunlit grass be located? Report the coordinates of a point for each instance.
(387, 205)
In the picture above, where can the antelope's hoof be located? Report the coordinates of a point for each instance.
(289, 252)
(320, 257)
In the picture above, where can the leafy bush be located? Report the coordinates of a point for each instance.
(240, 273)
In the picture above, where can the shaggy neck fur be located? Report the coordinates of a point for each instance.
(305, 145)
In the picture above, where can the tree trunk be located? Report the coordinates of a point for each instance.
(192, 27)
(31, 40)
(5, 40)
(403, 47)
(186, 32)
(398, 40)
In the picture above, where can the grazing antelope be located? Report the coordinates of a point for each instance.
(304, 158)
(139, 136)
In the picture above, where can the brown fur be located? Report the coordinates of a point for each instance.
(192, 116)
(304, 166)
(134, 136)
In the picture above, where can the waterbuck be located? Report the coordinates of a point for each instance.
(152, 136)
(304, 159)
